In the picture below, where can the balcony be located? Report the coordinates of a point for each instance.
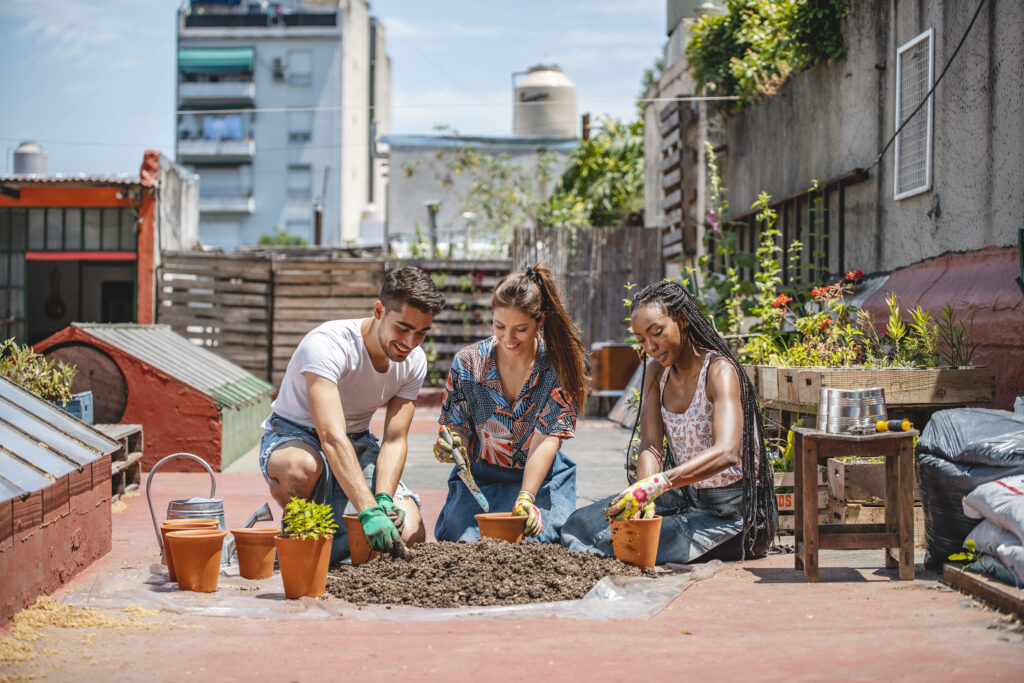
(237, 204)
(223, 92)
(216, 151)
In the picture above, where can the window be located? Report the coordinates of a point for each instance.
(912, 169)
(300, 67)
(300, 182)
(300, 126)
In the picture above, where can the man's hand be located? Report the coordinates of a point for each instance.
(380, 530)
(394, 513)
(524, 507)
(639, 498)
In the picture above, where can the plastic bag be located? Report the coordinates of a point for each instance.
(975, 436)
(1001, 502)
(943, 487)
(992, 566)
(1012, 557)
(988, 536)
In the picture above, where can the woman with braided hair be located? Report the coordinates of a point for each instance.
(714, 491)
(509, 402)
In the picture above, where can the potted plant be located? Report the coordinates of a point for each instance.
(47, 379)
(304, 547)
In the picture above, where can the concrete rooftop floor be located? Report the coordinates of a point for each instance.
(752, 620)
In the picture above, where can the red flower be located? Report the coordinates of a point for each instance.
(781, 300)
(855, 275)
(817, 291)
(824, 323)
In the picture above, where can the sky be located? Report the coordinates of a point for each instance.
(93, 81)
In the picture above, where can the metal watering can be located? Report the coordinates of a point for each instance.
(200, 508)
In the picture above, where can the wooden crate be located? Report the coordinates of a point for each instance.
(860, 481)
(857, 513)
(785, 499)
(126, 462)
(612, 364)
(903, 386)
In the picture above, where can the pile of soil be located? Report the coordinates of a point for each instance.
(487, 572)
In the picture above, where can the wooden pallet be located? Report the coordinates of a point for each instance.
(999, 595)
(785, 500)
(840, 512)
(126, 462)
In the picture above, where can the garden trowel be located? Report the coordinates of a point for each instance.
(463, 469)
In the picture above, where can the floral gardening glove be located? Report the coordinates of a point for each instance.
(524, 507)
(394, 513)
(445, 444)
(639, 498)
(380, 530)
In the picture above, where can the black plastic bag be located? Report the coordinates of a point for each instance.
(975, 436)
(943, 487)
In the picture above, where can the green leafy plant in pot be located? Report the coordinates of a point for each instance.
(304, 548)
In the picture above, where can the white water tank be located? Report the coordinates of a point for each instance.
(545, 104)
(29, 159)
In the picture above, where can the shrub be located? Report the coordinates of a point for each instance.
(47, 379)
(308, 520)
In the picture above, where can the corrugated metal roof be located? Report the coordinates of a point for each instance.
(159, 346)
(79, 179)
(40, 443)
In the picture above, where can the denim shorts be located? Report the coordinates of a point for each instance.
(327, 489)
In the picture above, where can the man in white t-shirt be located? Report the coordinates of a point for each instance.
(317, 444)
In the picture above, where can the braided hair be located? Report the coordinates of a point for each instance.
(760, 512)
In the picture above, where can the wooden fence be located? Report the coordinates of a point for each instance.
(592, 267)
(253, 309)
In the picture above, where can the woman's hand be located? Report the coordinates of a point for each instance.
(445, 444)
(638, 499)
(524, 507)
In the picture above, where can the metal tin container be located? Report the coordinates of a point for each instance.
(850, 410)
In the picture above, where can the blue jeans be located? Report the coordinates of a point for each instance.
(556, 499)
(327, 490)
(693, 521)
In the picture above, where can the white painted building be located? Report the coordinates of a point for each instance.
(279, 104)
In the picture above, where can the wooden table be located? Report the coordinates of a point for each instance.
(812, 448)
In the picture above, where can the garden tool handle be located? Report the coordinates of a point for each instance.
(149, 483)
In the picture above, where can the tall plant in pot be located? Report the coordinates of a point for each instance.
(304, 548)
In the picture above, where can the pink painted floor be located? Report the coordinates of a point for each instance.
(753, 620)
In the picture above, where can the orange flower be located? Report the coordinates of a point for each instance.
(824, 323)
(781, 300)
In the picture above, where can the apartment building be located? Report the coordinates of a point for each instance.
(278, 106)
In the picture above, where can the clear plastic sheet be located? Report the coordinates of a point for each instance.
(613, 597)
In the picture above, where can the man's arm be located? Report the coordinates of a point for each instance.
(329, 418)
(394, 445)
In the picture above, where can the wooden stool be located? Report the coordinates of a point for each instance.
(811, 448)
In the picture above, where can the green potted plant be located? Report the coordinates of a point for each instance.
(304, 547)
(47, 379)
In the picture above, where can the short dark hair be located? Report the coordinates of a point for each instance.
(411, 285)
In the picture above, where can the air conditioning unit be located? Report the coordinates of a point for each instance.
(278, 69)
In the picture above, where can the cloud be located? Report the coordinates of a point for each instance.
(469, 113)
(617, 8)
(440, 30)
(76, 32)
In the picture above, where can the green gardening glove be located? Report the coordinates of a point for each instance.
(394, 513)
(380, 530)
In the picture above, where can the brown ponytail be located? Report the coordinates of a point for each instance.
(535, 293)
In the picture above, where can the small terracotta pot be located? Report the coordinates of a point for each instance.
(197, 558)
(358, 547)
(635, 541)
(502, 525)
(303, 564)
(178, 525)
(256, 551)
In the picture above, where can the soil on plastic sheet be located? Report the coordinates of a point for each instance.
(487, 572)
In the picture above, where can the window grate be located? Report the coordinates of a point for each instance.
(914, 74)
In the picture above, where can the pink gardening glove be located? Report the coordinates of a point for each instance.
(638, 498)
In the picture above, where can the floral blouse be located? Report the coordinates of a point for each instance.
(689, 433)
(492, 430)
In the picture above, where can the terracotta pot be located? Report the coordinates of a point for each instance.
(303, 564)
(358, 547)
(178, 525)
(256, 551)
(502, 525)
(635, 541)
(197, 558)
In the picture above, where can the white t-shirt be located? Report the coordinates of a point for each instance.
(336, 350)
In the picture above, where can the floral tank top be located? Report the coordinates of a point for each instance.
(689, 433)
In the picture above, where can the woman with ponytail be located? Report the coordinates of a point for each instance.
(714, 490)
(509, 402)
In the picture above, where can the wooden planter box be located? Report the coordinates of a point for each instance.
(860, 481)
(903, 386)
(784, 480)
